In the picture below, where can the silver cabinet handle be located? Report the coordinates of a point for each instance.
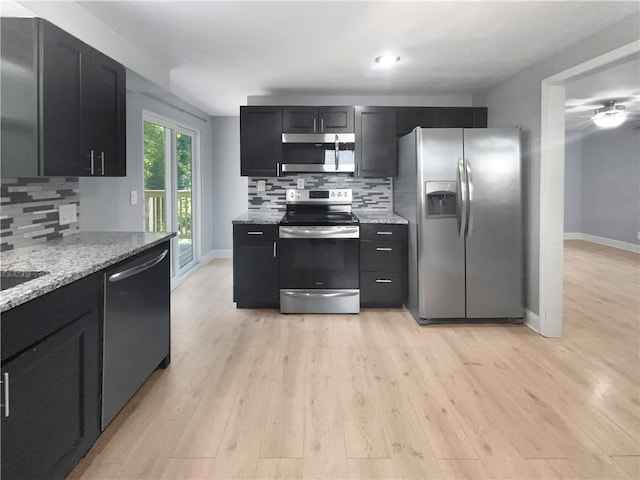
(92, 162)
(278, 169)
(384, 233)
(130, 272)
(102, 156)
(322, 124)
(275, 250)
(255, 233)
(5, 380)
(383, 280)
(315, 125)
(384, 249)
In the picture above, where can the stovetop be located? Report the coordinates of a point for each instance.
(319, 218)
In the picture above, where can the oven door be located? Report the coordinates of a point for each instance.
(319, 269)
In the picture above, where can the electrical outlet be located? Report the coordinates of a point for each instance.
(133, 197)
(67, 214)
(300, 183)
(261, 186)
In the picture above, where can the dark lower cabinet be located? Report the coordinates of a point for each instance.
(51, 373)
(376, 149)
(383, 265)
(255, 266)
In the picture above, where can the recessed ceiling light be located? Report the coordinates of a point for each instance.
(387, 59)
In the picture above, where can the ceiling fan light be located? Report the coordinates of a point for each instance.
(609, 119)
(387, 60)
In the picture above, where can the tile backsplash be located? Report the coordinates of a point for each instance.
(373, 194)
(29, 210)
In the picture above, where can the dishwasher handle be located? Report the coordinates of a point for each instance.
(130, 272)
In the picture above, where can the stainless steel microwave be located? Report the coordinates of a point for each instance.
(318, 152)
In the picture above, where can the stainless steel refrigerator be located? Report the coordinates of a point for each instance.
(461, 191)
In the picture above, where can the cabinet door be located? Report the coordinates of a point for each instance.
(255, 266)
(463, 117)
(108, 116)
(376, 151)
(260, 141)
(65, 79)
(336, 119)
(53, 402)
(300, 120)
(412, 117)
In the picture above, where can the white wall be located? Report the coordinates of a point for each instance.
(611, 184)
(104, 202)
(452, 100)
(516, 101)
(230, 189)
(573, 182)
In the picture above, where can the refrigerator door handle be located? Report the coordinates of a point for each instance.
(462, 199)
(470, 189)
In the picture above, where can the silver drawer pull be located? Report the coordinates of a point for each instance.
(255, 233)
(384, 233)
(383, 280)
(384, 249)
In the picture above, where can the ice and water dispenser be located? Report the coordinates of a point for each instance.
(442, 199)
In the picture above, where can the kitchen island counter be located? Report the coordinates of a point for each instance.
(69, 259)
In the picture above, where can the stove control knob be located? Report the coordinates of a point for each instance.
(339, 194)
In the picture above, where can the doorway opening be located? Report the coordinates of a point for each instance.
(171, 163)
(552, 142)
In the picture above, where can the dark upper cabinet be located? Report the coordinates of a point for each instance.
(440, 117)
(306, 119)
(108, 116)
(376, 149)
(255, 266)
(463, 117)
(412, 117)
(65, 74)
(72, 104)
(51, 375)
(260, 141)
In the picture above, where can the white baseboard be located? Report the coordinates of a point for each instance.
(607, 242)
(216, 254)
(532, 320)
(573, 236)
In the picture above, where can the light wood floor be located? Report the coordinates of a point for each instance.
(256, 394)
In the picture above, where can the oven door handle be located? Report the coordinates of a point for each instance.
(330, 232)
(321, 295)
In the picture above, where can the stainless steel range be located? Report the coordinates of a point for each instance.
(319, 240)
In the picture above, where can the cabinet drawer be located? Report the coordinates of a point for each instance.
(383, 231)
(382, 289)
(254, 234)
(382, 256)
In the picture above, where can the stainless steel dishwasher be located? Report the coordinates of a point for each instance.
(137, 318)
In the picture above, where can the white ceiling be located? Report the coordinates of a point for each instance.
(620, 82)
(218, 53)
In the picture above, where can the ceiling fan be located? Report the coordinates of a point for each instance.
(607, 113)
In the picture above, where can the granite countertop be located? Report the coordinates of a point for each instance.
(273, 217)
(260, 216)
(366, 216)
(69, 259)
